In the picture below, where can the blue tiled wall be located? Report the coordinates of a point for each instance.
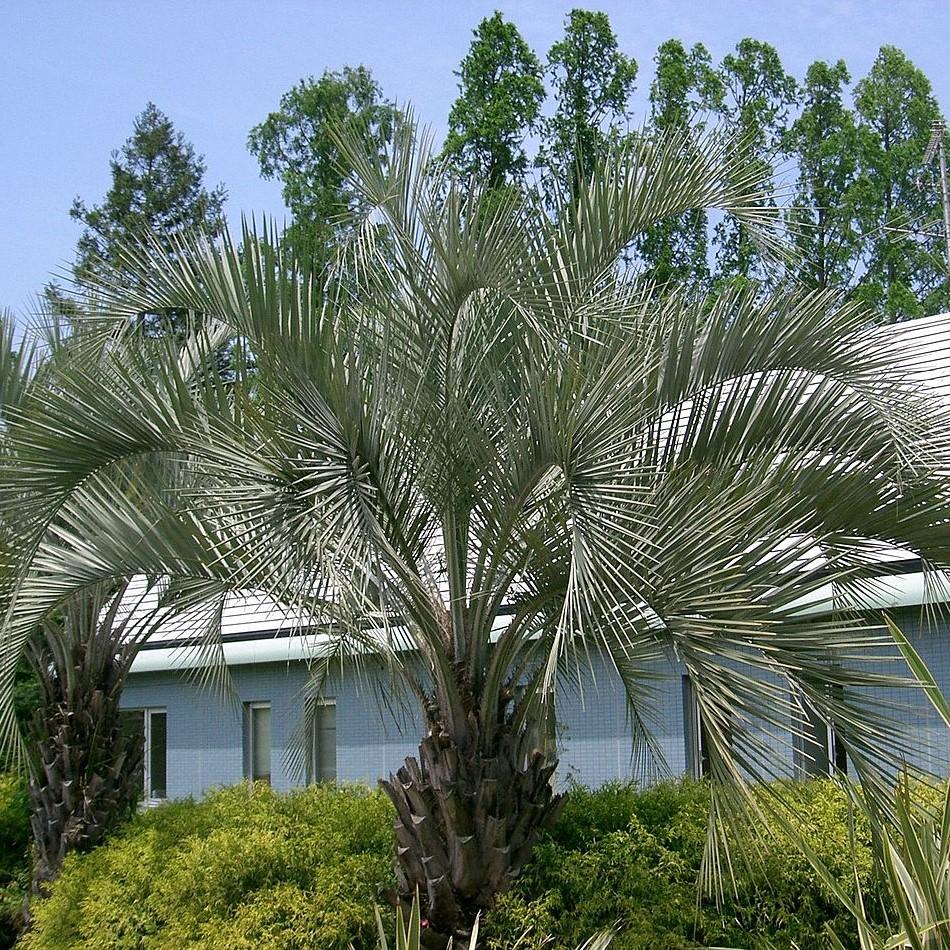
(205, 742)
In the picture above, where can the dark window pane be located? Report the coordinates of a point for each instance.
(157, 755)
(133, 724)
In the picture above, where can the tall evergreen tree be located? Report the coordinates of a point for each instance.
(686, 87)
(823, 143)
(756, 103)
(592, 82)
(501, 90)
(296, 145)
(895, 204)
(158, 190)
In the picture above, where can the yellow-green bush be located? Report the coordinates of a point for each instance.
(242, 869)
(246, 870)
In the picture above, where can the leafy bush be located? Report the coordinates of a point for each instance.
(631, 858)
(14, 853)
(243, 869)
(262, 870)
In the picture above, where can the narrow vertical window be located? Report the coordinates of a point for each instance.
(818, 748)
(257, 741)
(157, 751)
(322, 716)
(151, 726)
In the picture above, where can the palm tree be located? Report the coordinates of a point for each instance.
(84, 764)
(482, 448)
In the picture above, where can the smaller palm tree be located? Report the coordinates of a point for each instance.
(84, 766)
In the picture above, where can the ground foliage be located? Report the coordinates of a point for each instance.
(261, 869)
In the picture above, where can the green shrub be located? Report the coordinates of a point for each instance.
(15, 836)
(258, 869)
(620, 856)
(241, 869)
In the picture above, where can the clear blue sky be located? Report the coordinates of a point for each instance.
(74, 75)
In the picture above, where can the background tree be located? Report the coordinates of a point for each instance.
(592, 82)
(501, 90)
(896, 109)
(295, 145)
(758, 94)
(823, 143)
(685, 90)
(157, 190)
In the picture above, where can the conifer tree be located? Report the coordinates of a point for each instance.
(157, 190)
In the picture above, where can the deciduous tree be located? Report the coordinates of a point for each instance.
(685, 91)
(592, 82)
(756, 103)
(895, 203)
(296, 145)
(823, 143)
(501, 90)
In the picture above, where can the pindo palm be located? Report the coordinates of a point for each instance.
(483, 448)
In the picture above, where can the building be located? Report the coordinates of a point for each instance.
(196, 738)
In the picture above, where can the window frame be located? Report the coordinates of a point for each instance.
(313, 749)
(249, 748)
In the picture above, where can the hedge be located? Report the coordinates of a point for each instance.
(15, 839)
(253, 868)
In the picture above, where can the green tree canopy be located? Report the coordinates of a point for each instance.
(296, 145)
(823, 143)
(592, 81)
(894, 204)
(501, 90)
(157, 191)
(685, 90)
(758, 95)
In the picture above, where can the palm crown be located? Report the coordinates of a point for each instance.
(483, 448)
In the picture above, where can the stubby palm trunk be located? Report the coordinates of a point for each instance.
(467, 821)
(85, 769)
(84, 780)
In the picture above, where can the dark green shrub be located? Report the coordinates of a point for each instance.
(14, 853)
(242, 869)
(628, 857)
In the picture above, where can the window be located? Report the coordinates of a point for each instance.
(697, 745)
(321, 717)
(151, 725)
(257, 742)
(818, 748)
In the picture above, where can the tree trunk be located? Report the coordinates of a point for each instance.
(83, 781)
(467, 820)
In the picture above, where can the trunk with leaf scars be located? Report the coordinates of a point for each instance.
(467, 815)
(85, 777)
(85, 767)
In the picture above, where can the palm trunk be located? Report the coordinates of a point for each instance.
(84, 778)
(467, 820)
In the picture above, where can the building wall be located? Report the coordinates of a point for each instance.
(205, 734)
